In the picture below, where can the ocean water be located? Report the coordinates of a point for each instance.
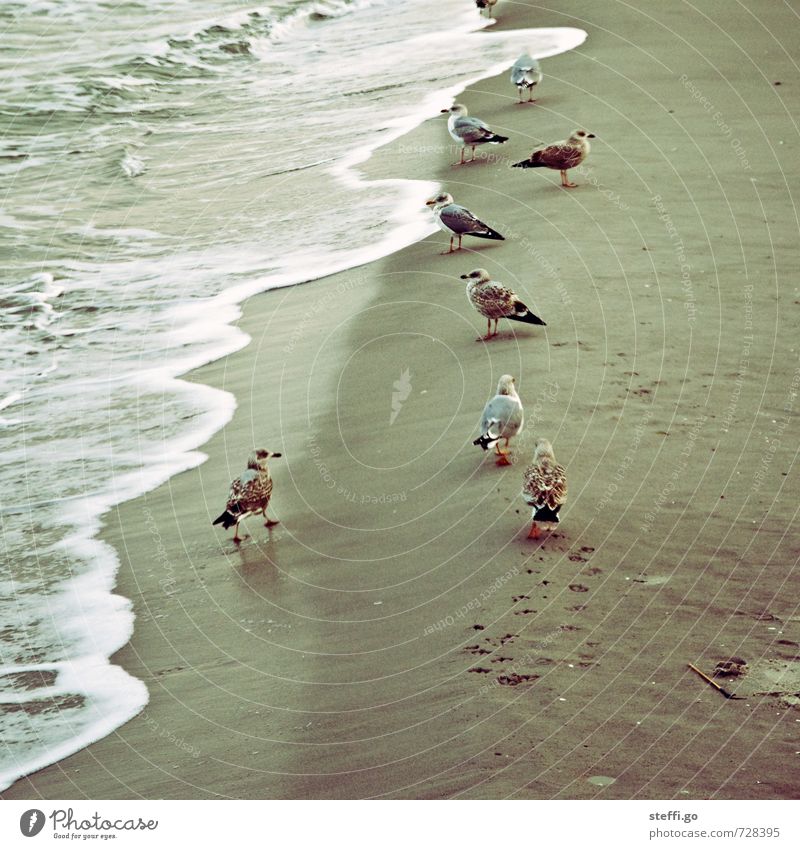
(161, 161)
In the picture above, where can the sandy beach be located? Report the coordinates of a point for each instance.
(396, 635)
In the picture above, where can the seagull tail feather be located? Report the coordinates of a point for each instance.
(489, 234)
(487, 440)
(226, 519)
(496, 139)
(547, 514)
(528, 317)
(528, 163)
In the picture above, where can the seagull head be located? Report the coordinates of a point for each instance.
(440, 199)
(544, 450)
(457, 109)
(479, 275)
(258, 459)
(506, 385)
(580, 136)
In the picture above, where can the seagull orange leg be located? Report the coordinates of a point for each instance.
(502, 459)
(534, 531)
(270, 522)
(565, 182)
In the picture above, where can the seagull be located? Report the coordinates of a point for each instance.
(561, 156)
(494, 301)
(502, 418)
(485, 4)
(459, 221)
(468, 131)
(544, 487)
(250, 493)
(526, 73)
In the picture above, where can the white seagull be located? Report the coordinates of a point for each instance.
(503, 418)
(526, 73)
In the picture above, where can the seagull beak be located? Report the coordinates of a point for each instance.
(276, 454)
(445, 111)
(465, 276)
(591, 136)
(430, 203)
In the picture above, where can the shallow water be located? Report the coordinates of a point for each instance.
(160, 162)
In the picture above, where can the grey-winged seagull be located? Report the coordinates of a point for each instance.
(458, 221)
(469, 132)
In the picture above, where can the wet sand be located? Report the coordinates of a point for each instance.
(397, 635)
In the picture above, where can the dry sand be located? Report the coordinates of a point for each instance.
(397, 635)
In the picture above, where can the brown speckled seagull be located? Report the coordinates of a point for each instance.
(561, 156)
(544, 487)
(250, 493)
(494, 301)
